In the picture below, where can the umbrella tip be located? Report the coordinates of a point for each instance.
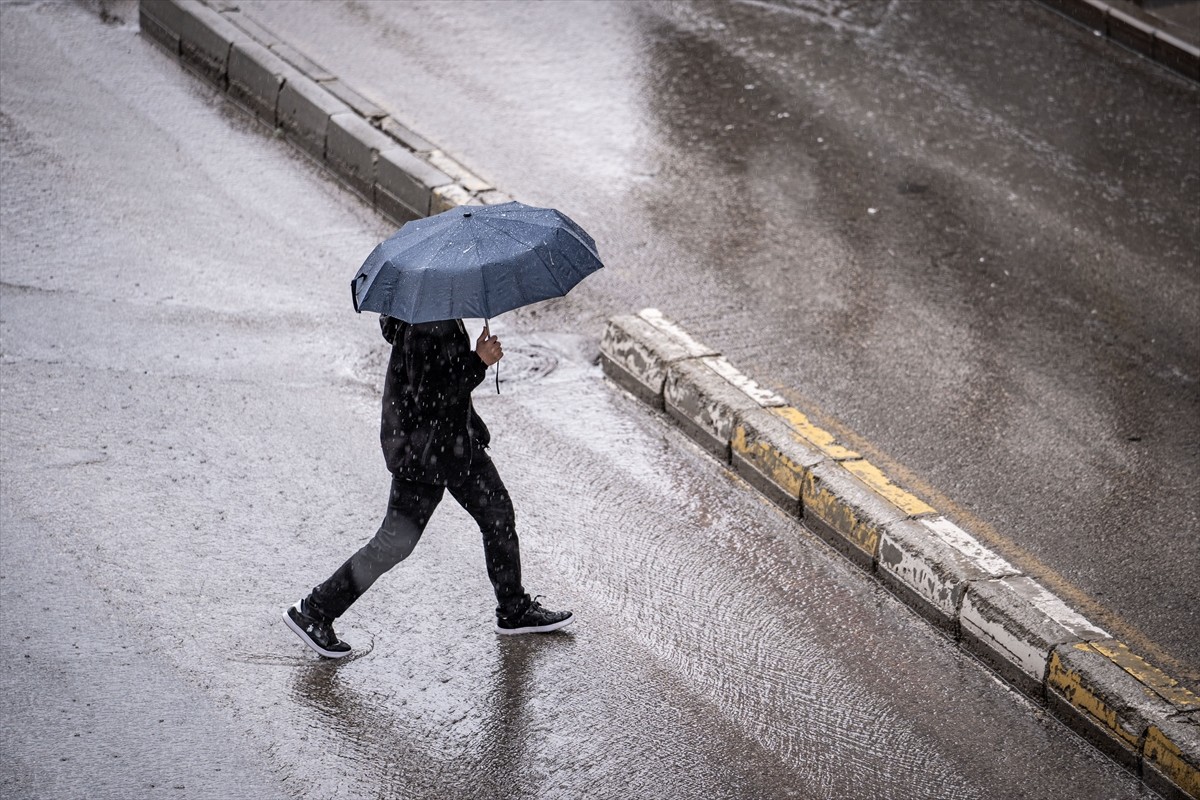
(467, 214)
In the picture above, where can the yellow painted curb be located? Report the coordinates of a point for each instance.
(810, 434)
(1070, 684)
(1149, 675)
(1166, 756)
(807, 433)
(839, 515)
(775, 465)
(872, 476)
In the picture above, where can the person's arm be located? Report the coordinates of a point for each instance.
(488, 347)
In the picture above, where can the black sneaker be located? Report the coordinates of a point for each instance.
(534, 619)
(314, 633)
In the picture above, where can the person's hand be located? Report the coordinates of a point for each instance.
(488, 348)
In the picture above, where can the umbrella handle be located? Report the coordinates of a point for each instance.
(487, 324)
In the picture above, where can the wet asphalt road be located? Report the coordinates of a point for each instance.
(962, 234)
(189, 442)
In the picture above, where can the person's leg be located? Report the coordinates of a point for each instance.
(410, 506)
(484, 497)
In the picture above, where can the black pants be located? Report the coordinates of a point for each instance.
(410, 506)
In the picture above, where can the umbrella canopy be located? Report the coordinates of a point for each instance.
(474, 261)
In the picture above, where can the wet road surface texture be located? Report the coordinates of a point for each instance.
(961, 234)
(190, 415)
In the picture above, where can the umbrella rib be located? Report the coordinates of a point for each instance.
(482, 278)
(562, 222)
(554, 278)
(579, 273)
(422, 276)
(414, 236)
(423, 273)
(572, 230)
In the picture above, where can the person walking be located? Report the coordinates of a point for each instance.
(433, 441)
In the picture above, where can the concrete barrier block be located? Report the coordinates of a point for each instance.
(1131, 32)
(205, 39)
(672, 329)
(362, 106)
(1171, 747)
(461, 175)
(637, 355)
(444, 198)
(1102, 702)
(351, 149)
(844, 512)
(303, 113)
(993, 565)
(1086, 12)
(767, 453)
(882, 485)
(256, 76)
(924, 567)
(704, 404)
(257, 32)
(764, 397)
(494, 197)
(816, 437)
(392, 207)
(306, 65)
(405, 136)
(159, 20)
(1177, 54)
(1013, 624)
(1171, 757)
(1154, 679)
(404, 184)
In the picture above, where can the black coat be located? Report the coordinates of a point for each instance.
(430, 430)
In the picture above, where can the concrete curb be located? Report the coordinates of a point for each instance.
(364, 145)
(1127, 708)
(1135, 29)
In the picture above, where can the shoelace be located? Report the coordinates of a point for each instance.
(533, 607)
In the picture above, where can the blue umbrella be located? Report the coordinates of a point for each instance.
(474, 261)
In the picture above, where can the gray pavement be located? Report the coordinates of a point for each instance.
(961, 235)
(189, 440)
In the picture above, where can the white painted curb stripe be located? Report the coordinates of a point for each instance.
(656, 318)
(764, 397)
(1054, 608)
(1029, 657)
(969, 546)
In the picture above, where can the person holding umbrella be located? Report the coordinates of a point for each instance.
(467, 262)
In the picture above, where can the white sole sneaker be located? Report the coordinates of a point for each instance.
(536, 628)
(304, 637)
